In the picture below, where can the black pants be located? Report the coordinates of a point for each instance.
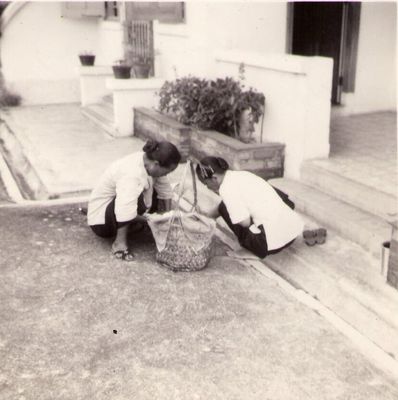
(110, 227)
(254, 242)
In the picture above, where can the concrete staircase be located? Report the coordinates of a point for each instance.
(352, 209)
(343, 274)
(102, 115)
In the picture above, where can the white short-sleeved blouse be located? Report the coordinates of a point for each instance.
(125, 179)
(247, 195)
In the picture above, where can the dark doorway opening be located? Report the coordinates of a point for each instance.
(318, 30)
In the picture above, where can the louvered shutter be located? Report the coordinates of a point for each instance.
(170, 12)
(81, 9)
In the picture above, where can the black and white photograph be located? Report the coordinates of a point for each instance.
(198, 200)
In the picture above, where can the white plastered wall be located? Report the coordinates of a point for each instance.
(375, 84)
(39, 51)
(210, 27)
(297, 91)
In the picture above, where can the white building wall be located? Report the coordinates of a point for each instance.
(375, 84)
(39, 52)
(297, 109)
(210, 27)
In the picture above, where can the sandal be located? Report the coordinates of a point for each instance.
(321, 235)
(310, 237)
(125, 255)
(315, 236)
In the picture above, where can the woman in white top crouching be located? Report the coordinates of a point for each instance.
(129, 187)
(261, 217)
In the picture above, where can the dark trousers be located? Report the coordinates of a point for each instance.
(254, 242)
(110, 227)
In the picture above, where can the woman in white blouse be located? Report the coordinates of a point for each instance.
(262, 219)
(129, 187)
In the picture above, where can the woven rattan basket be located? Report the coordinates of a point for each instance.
(183, 240)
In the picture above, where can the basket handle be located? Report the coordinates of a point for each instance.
(195, 189)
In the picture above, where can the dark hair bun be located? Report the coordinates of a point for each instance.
(150, 146)
(222, 164)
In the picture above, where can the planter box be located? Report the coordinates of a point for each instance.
(151, 124)
(263, 159)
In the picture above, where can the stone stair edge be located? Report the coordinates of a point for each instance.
(349, 305)
(22, 169)
(363, 228)
(372, 201)
(105, 124)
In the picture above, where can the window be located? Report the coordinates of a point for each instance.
(80, 9)
(166, 12)
(111, 10)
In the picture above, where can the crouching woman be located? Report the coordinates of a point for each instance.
(130, 187)
(261, 217)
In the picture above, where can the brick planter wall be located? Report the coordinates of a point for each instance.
(151, 124)
(392, 275)
(263, 159)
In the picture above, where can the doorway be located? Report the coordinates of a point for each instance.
(319, 29)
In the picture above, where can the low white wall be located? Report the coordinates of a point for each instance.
(93, 84)
(130, 93)
(297, 91)
(39, 52)
(375, 85)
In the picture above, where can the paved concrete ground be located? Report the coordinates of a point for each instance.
(67, 150)
(78, 324)
(364, 148)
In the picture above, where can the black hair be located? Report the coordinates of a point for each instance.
(165, 153)
(209, 166)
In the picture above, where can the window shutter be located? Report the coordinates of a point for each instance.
(81, 9)
(171, 12)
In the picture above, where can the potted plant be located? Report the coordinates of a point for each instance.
(87, 58)
(212, 117)
(142, 66)
(222, 105)
(122, 69)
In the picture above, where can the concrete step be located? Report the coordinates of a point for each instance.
(19, 165)
(346, 279)
(102, 115)
(349, 221)
(321, 175)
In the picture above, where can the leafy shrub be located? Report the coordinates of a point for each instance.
(210, 104)
(9, 99)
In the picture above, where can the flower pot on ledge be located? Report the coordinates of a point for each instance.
(87, 59)
(141, 70)
(121, 71)
(263, 159)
